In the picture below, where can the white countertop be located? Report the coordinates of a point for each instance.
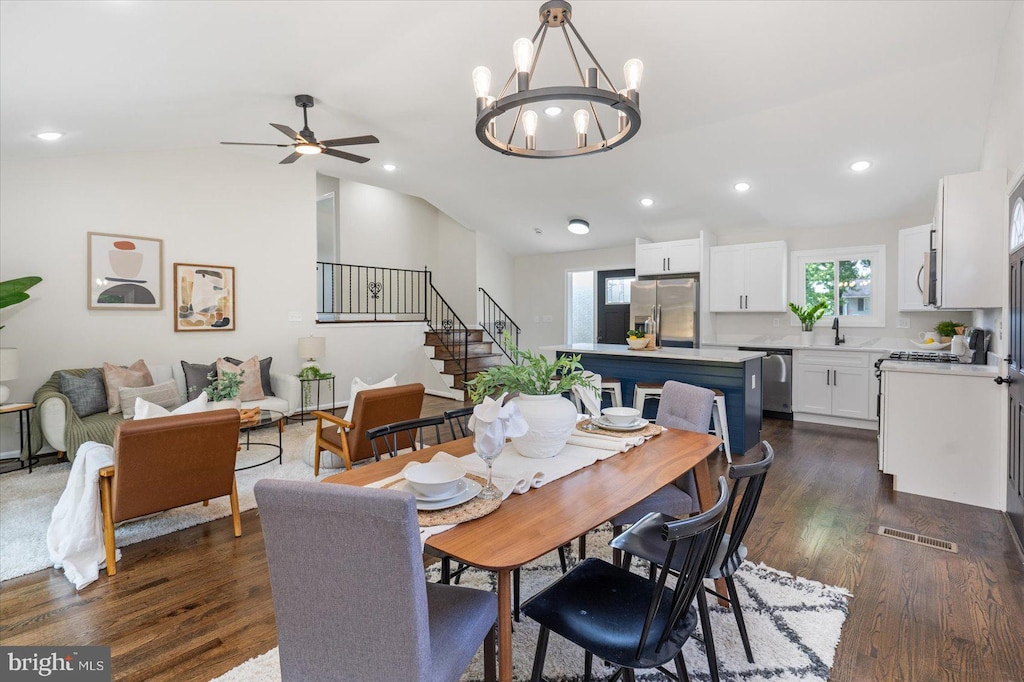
(863, 348)
(946, 368)
(665, 353)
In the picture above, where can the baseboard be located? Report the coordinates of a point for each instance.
(866, 424)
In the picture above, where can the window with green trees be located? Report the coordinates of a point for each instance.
(848, 281)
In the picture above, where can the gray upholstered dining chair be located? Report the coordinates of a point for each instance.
(339, 616)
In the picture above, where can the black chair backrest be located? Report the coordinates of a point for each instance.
(459, 418)
(701, 530)
(748, 483)
(389, 434)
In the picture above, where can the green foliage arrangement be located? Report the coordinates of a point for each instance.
(639, 333)
(313, 372)
(13, 290)
(226, 387)
(530, 375)
(948, 327)
(808, 316)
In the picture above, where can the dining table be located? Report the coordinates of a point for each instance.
(528, 526)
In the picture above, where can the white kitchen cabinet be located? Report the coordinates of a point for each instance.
(968, 240)
(834, 383)
(748, 278)
(668, 258)
(914, 243)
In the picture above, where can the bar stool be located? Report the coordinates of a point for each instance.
(643, 391)
(721, 423)
(609, 385)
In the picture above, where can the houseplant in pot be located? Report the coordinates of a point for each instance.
(808, 316)
(540, 384)
(223, 392)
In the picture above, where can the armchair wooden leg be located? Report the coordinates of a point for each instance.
(316, 459)
(206, 503)
(108, 525)
(235, 516)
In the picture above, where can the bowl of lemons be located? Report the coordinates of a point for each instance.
(636, 339)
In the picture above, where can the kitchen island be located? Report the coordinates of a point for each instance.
(737, 374)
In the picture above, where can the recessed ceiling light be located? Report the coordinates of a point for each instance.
(860, 166)
(647, 202)
(553, 111)
(578, 226)
(50, 137)
(389, 167)
(741, 186)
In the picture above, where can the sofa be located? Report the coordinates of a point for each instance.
(57, 424)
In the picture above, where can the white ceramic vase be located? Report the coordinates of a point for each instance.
(551, 419)
(807, 338)
(235, 404)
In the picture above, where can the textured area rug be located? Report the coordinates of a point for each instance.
(27, 500)
(793, 625)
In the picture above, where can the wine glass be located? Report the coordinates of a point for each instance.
(488, 450)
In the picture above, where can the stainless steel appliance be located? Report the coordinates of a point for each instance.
(776, 382)
(672, 305)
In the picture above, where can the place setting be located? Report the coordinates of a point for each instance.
(619, 422)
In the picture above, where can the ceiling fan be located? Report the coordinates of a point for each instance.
(306, 142)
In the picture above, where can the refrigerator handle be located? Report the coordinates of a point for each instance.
(657, 328)
(696, 315)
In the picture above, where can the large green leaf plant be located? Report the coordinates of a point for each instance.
(14, 290)
(530, 374)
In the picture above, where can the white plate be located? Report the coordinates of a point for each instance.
(466, 493)
(932, 346)
(460, 487)
(636, 425)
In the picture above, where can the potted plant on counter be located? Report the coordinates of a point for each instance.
(539, 383)
(808, 316)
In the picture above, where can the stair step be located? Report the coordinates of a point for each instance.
(473, 363)
(476, 349)
(435, 338)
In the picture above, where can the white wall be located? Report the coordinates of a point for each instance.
(495, 272)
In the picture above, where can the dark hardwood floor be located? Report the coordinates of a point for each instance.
(194, 604)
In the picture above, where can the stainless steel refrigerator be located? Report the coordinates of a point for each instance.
(672, 304)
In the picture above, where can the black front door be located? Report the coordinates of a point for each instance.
(613, 305)
(1015, 468)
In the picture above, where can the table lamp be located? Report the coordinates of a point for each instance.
(312, 348)
(8, 371)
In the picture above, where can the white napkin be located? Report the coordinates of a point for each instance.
(492, 422)
(604, 443)
(590, 395)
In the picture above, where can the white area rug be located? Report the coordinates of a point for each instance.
(793, 625)
(27, 500)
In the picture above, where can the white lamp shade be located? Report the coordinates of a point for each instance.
(8, 364)
(312, 347)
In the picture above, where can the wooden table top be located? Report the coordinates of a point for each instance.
(531, 525)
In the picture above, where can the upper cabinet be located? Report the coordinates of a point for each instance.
(915, 242)
(668, 258)
(748, 278)
(968, 239)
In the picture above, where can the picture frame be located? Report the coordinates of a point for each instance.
(125, 272)
(204, 298)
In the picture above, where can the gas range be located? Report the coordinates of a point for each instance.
(923, 356)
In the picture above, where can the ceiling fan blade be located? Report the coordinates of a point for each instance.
(288, 131)
(258, 144)
(346, 156)
(291, 158)
(343, 141)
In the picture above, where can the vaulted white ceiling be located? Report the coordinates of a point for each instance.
(783, 95)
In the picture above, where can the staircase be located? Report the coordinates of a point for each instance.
(449, 362)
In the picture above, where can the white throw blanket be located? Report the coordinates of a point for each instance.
(75, 535)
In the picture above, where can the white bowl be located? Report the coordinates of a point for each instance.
(638, 343)
(434, 479)
(621, 416)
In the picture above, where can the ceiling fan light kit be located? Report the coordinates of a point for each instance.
(305, 142)
(556, 14)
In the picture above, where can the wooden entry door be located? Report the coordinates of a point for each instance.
(1015, 446)
(613, 305)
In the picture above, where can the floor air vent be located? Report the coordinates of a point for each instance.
(907, 536)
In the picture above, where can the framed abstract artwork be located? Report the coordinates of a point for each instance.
(125, 273)
(204, 298)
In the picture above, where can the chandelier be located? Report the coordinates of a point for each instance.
(526, 52)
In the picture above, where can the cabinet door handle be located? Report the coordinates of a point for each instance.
(663, 268)
(669, 259)
(746, 302)
(741, 301)
(835, 378)
(827, 377)
(917, 281)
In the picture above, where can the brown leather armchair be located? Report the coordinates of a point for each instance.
(374, 407)
(168, 462)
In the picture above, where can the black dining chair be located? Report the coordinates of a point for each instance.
(459, 419)
(624, 618)
(409, 431)
(645, 541)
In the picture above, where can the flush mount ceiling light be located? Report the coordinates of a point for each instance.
(860, 166)
(579, 226)
(50, 136)
(741, 186)
(647, 202)
(526, 53)
(553, 111)
(389, 167)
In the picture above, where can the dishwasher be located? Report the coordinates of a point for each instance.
(776, 381)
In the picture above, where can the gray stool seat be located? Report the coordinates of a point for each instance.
(667, 500)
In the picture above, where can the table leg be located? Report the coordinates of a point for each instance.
(505, 625)
(706, 497)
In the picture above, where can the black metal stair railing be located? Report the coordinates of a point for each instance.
(449, 329)
(496, 322)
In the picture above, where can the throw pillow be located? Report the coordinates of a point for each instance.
(165, 395)
(264, 374)
(86, 393)
(147, 410)
(360, 385)
(196, 378)
(251, 388)
(115, 377)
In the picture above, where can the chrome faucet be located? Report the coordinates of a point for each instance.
(835, 326)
